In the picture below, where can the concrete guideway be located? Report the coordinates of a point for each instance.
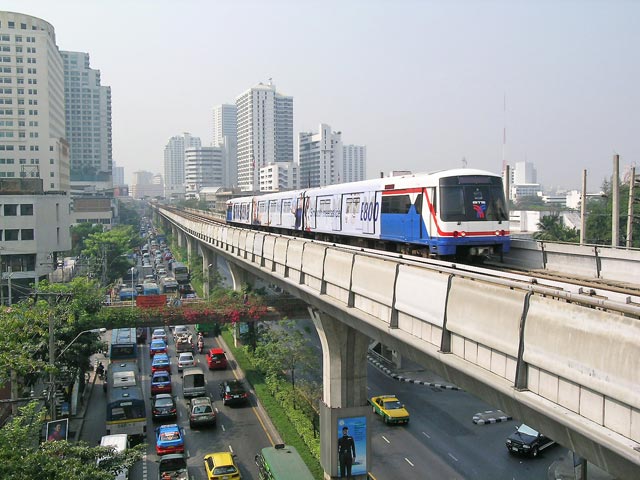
(445, 320)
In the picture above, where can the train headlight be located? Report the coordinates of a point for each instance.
(463, 234)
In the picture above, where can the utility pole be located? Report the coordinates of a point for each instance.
(632, 185)
(615, 205)
(52, 366)
(583, 208)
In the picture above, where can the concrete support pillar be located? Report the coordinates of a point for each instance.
(240, 277)
(181, 238)
(209, 269)
(344, 393)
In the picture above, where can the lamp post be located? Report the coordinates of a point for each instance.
(53, 357)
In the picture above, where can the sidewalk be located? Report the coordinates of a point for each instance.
(76, 422)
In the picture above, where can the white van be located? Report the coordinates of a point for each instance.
(120, 442)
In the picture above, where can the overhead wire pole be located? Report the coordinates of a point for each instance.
(583, 208)
(615, 204)
(632, 187)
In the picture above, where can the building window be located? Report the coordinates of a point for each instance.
(26, 234)
(10, 210)
(11, 235)
(26, 209)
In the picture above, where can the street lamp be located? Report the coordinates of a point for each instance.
(53, 357)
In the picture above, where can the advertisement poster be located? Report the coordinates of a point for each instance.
(352, 439)
(57, 430)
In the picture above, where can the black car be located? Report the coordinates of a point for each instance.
(233, 392)
(164, 407)
(527, 441)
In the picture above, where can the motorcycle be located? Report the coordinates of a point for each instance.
(200, 346)
(100, 371)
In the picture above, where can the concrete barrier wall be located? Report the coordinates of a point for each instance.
(337, 274)
(571, 258)
(485, 323)
(313, 265)
(583, 359)
(420, 301)
(280, 255)
(294, 259)
(267, 251)
(620, 265)
(373, 285)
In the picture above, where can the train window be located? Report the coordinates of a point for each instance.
(418, 204)
(396, 204)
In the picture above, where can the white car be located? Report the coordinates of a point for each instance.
(179, 332)
(186, 360)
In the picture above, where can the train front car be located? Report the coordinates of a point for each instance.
(468, 214)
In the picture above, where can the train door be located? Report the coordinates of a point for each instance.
(429, 208)
(370, 212)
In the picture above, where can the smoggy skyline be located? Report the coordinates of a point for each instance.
(420, 83)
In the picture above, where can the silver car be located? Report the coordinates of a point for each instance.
(202, 412)
(186, 360)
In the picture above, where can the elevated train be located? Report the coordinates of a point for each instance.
(458, 213)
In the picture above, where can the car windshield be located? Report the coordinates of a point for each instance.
(223, 470)
(161, 378)
(164, 402)
(202, 409)
(169, 436)
(158, 333)
(393, 405)
(527, 430)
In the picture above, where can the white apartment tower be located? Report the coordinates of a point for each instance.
(174, 163)
(32, 113)
(524, 173)
(203, 168)
(88, 123)
(320, 157)
(354, 163)
(278, 177)
(265, 132)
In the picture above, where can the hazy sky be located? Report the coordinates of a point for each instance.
(420, 83)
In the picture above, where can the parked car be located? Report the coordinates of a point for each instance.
(173, 466)
(161, 362)
(186, 360)
(157, 346)
(163, 407)
(216, 359)
(390, 409)
(169, 439)
(160, 382)
(219, 466)
(527, 441)
(202, 412)
(233, 392)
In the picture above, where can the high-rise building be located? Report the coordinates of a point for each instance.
(203, 168)
(174, 163)
(32, 114)
(265, 132)
(146, 184)
(225, 135)
(118, 176)
(354, 163)
(88, 123)
(225, 123)
(524, 173)
(320, 157)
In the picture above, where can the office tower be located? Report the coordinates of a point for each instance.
(88, 124)
(225, 123)
(174, 163)
(118, 176)
(33, 143)
(146, 184)
(225, 135)
(354, 163)
(265, 132)
(320, 157)
(203, 168)
(524, 173)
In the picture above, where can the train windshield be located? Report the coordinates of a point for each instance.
(469, 198)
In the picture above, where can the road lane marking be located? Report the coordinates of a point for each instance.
(453, 457)
(144, 467)
(409, 461)
(222, 427)
(385, 439)
(426, 435)
(230, 448)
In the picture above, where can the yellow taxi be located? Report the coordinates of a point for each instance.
(390, 409)
(221, 466)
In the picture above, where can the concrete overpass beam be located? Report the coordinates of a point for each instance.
(240, 277)
(209, 269)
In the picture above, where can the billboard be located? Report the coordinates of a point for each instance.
(57, 430)
(352, 445)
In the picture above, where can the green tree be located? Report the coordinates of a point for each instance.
(551, 228)
(106, 252)
(79, 233)
(23, 458)
(283, 348)
(128, 214)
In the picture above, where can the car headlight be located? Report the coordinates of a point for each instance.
(526, 447)
(508, 442)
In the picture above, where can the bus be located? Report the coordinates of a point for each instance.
(123, 346)
(281, 462)
(168, 285)
(122, 374)
(180, 272)
(150, 289)
(126, 412)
